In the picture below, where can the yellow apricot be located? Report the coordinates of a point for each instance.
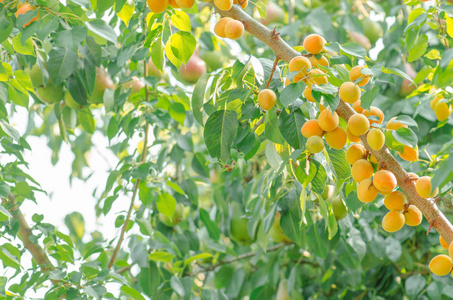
(242, 3)
(393, 221)
(313, 43)
(395, 200)
(353, 138)
(314, 144)
(366, 192)
(436, 99)
(361, 170)
(336, 138)
(374, 111)
(442, 111)
(395, 125)
(413, 216)
(423, 187)
(311, 128)
(185, 3)
(450, 250)
(315, 62)
(157, 6)
(299, 64)
(328, 121)
(356, 73)
(316, 76)
(441, 265)
(443, 243)
(376, 139)
(409, 153)
(267, 99)
(354, 153)
(356, 106)
(234, 30)
(223, 4)
(373, 159)
(384, 181)
(349, 92)
(219, 27)
(358, 124)
(307, 94)
(321, 108)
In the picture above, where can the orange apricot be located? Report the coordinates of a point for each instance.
(356, 106)
(157, 6)
(219, 27)
(413, 216)
(321, 108)
(441, 265)
(395, 125)
(314, 144)
(353, 138)
(234, 29)
(450, 250)
(328, 121)
(310, 128)
(393, 221)
(24, 9)
(299, 64)
(349, 92)
(314, 43)
(374, 111)
(316, 76)
(242, 3)
(336, 138)
(384, 181)
(395, 200)
(358, 124)
(356, 73)
(424, 188)
(376, 139)
(354, 153)
(267, 99)
(315, 62)
(223, 4)
(173, 4)
(361, 170)
(366, 192)
(443, 243)
(409, 154)
(185, 3)
(307, 94)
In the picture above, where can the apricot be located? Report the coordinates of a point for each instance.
(349, 92)
(373, 159)
(356, 73)
(223, 4)
(307, 94)
(361, 170)
(353, 138)
(336, 138)
(395, 125)
(311, 128)
(374, 111)
(267, 99)
(376, 139)
(366, 192)
(424, 188)
(354, 153)
(287, 82)
(384, 181)
(356, 106)
(24, 9)
(409, 153)
(436, 99)
(234, 30)
(173, 4)
(299, 64)
(316, 76)
(358, 124)
(393, 221)
(441, 265)
(321, 108)
(219, 27)
(443, 243)
(413, 216)
(242, 3)
(442, 111)
(314, 43)
(395, 200)
(157, 6)
(413, 175)
(450, 250)
(185, 3)
(321, 62)
(314, 144)
(328, 121)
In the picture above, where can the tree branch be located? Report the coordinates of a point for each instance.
(284, 51)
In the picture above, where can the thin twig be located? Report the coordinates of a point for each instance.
(272, 72)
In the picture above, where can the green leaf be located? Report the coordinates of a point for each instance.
(161, 256)
(290, 226)
(5, 189)
(419, 48)
(271, 129)
(10, 130)
(368, 97)
(126, 12)
(198, 98)
(290, 124)
(181, 20)
(414, 285)
(175, 187)
(62, 63)
(166, 204)
(132, 292)
(272, 156)
(405, 136)
(353, 49)
(211, 226)
(85, 118)
(341, 167)
(177, 112)
(26, 49)
(398, 72)
(102, 29)
(317, 239)
(4, 214)
(291, 92)
(219, 133)
(180, 47)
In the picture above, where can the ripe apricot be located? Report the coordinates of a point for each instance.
(157, 6)
(376, 139)
(314, 43)
(314, 144)
(384, 181)
(366, 192)
(267, 99)
(374, 111)
(353, 138)
(24, 9)
(173, 4)
(316, 76)
(443, 243)
(356, 106)
(409, 153)
(315, 62)
(441, 265)
(395, 125)
(373, 159)
(185, 3)
(311, 128)
(234, 30)
(354, 153)
(361, 170)
(307, 94)
(393, 221)
(328, 121)
(413, 216)
(223, 4)
(349, 92)
(450, 250)
(442, 111)
(242, 3)
(356, 73)
(436, 99)
(395, 200)
(423, 187)
(336, 138)
(321, 108)
(299, 64)
(413, 175)
(358, 124)
(287, 82)
(219, 28)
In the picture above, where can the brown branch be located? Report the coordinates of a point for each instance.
(274, 67)
(284, 51)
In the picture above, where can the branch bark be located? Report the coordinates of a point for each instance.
(281, 49)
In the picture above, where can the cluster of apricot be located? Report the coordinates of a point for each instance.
(442, 264)
(441, 108)
(229, 28)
